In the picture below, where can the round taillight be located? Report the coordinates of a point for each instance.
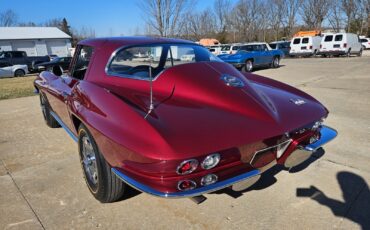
(211, 161)
(186, 185)
(187, 167)
(208, 179)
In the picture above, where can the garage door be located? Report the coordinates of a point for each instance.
(57, 47)
(27, 46)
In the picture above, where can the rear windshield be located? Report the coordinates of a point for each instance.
(338, 38)
(225, 48)
(139, 61)
(328, 38)
(273, 46)
(305, 40)
(296, 41)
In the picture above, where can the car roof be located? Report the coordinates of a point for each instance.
(256, 43)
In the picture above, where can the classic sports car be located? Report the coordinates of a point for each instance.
(9, 70)
(175, 128)
(252, 55)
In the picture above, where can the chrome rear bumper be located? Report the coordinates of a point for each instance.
(242, 181)
(304, 152)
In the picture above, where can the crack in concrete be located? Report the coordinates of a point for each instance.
(23, 196)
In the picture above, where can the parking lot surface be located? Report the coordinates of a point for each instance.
(42, 186)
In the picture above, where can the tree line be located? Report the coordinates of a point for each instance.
(253, 20)
(10, 18)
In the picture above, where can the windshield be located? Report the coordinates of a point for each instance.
(139, 61)
(273, 46)
(225, 48)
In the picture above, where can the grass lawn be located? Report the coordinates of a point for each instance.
(16, 87)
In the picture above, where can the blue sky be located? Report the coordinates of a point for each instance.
(107, 17)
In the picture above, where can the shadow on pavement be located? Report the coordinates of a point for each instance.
(356, 195)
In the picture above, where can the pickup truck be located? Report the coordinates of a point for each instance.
(252, 55)
(21, 58)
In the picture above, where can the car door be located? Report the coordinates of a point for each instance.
(267, 54)
(62, 87)
(6, 69)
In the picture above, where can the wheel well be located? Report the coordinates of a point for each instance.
(249, 59)
(20, 70)
(76, 122)
(278, 56)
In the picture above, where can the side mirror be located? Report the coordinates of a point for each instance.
(57, 70)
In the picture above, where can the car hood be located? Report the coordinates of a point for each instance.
(197, 113)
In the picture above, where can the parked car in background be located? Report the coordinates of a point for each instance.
(52, 56)
(252, 55)
(340, 44)
(281, 45)
(305, 46)
(230, 49)
(9, 70)
(21, 58)
(365, 43)
(189, 56)
(215, 49)
(63, 62)
(152, 135)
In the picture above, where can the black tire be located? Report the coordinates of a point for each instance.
(19, 73)
(248, 67)
(275, 62)
(103, 184)
(360, 53)
(45, 109)
(348, 54)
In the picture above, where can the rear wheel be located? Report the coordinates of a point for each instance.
(19, 73)
(248, 67)
(45, 109)
(275, 62)
(101, 181)
(348, 54)
(360, 53)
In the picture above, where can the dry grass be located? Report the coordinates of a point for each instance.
(16, 87)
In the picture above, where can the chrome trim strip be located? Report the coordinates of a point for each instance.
(326, 134)
(70, 133)
(189, 193)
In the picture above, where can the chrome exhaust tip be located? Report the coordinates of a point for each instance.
(297, 157)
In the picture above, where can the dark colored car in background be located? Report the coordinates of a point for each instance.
(284, 46)
(63, 62)
(21, 58)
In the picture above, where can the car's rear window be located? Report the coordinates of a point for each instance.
(338, 37)
(328, 38)
(273, 46)
(141, 61)
(296, 41)
(305, 40)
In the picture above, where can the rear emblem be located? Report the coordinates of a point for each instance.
(232, 81)
(297, 101)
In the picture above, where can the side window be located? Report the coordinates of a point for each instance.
(328, 38)
(4, 64)
(296, 41)
(338, 38)
(82, 62)
(8, 55)
(17, 54)
(305, 40)
(264, 47)
(137, 62)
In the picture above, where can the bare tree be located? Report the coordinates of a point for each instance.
(276, 14)
(335, 16)
(163, 15)
(8, 18)
(313, 12)
(221, 12)
(349, 8)
(292, 7)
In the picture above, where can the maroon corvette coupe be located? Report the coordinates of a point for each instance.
(168, 118)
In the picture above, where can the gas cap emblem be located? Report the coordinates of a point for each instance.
(232, 81)
(298, 101)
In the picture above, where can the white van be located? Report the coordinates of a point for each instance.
(305, 46)
(340, 44)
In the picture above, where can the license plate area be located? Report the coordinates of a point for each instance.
(336, 46)
(303, 47)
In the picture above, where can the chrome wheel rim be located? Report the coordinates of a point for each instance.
(43, 108)
(276, 62)
(249, 66)
(89, 161)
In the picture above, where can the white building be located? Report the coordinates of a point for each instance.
(35, 41)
